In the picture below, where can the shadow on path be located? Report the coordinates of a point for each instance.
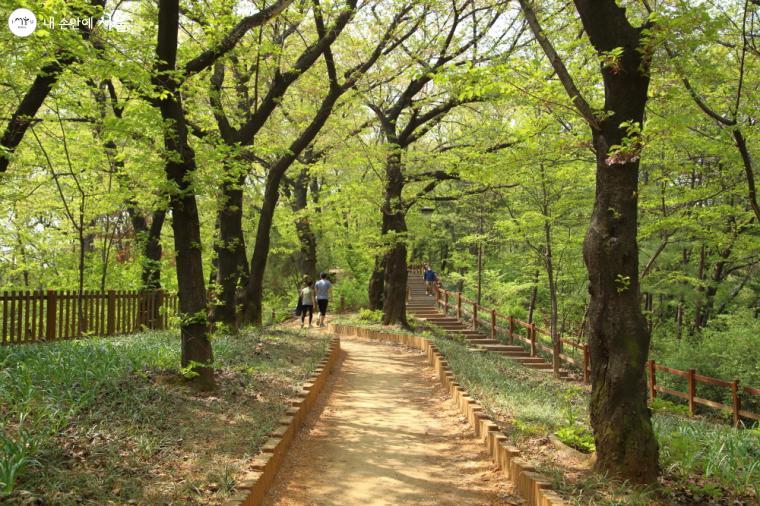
(384, 433)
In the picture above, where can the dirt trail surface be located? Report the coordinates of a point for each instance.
(385, 433)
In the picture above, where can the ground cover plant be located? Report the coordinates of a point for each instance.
(100, 420)
(701, 458)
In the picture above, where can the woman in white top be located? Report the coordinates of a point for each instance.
(308, 301)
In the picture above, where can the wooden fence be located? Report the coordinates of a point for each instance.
(576, 353)
(27, 316)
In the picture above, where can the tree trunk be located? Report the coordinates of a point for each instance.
(699, 316)
(149, 239)
(197, 354)
(533, 297)
(549, 263)
(152, 252)
(377, 284)
(394, 231)
(307, 254)
(230, 250)
(255, 288)
(618, 336)
(255, 285)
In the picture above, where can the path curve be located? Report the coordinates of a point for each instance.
(385, 433)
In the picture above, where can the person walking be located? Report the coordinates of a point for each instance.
(430, 279)
(308, 299)
(324, 292)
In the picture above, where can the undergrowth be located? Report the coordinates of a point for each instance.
(94, 419)
(725, 460)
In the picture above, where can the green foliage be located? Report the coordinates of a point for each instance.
(576, 436)
(659, 404)
(717, 452)
(16, 455)
(130, 391)
(370, 316)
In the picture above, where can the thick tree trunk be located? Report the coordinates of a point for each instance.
(197, 353)
(618, 335)
(394, 231)
(230, 250)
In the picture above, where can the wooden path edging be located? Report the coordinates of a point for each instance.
(252, 489)
(533, 487)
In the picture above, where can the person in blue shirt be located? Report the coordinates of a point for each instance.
(324, 291)
(430, 278)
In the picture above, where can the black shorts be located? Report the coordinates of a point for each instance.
(322, 303)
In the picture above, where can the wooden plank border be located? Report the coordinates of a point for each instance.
(534, 488)
(254, 486)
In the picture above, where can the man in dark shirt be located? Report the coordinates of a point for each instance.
(429, 277)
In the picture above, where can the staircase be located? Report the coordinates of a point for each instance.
(424, 307)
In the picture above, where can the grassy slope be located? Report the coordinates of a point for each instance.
(702, 461)
(112, 419)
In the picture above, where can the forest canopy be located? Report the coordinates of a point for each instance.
(590, 168)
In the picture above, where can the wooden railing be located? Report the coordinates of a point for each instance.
(27, 316)
(692, 378)
(576, 353)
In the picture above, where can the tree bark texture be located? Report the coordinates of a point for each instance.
(618, 334)
(377, 284)
(197, 353)
(232, 265)
(394, 231)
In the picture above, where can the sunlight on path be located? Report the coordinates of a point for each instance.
(385, 434)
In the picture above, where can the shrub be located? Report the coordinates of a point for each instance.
(578, 437)
(371, 316)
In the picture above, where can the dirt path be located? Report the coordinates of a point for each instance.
(384, 433)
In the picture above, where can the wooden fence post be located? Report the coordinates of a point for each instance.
(493, 324)
(511, 329)
(532, 339)
(111, 313)
(446, 302)
(652, 380)
(585, 364)
(474, 316)
(342, 303)
(52, 312)
(692, 391)
(273, 316)
(459, 305)
(737, 401)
